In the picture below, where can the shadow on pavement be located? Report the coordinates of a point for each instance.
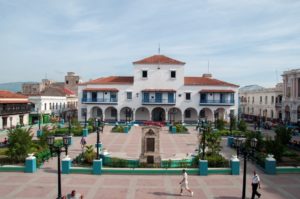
(227, 197)
(165, 194)
(49, 170)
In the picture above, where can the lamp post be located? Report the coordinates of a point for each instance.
(58, 150)
(69, 118)
(99, 128)
(85, 118)
(242, 146)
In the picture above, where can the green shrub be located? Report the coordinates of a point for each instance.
(288, 153)
(3, 151)
(180, 128)
(20, 142)
(61, 131)
(77, 131)
(42, 156)
(90, 129)
(217, 160)
(118, 129)
(224, 132)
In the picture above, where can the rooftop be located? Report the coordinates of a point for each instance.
(9, 94)
(159, 59)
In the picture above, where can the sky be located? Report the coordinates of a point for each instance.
(245, 42)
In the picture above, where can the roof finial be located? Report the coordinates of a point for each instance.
(208, 66)
(159, 48)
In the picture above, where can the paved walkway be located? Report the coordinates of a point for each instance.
(43, 184)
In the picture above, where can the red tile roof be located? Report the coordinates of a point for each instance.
(68, 91)
(204, 81)
(111, 80)
(9, 94)
(158, 59)
(215, 91)
(159, 90)
(14, 101)
(101, 89)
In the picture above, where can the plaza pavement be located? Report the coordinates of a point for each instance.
(43, 184)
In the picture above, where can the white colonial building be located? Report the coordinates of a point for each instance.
(258, 102)
(157, 91)
(291, 95)
(14, 109)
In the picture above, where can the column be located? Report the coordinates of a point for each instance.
(203, 167)
(235, 165)
(30, 164)
(270, 165)
(97, 167)
(66, 165)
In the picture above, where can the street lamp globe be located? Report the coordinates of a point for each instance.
(66, 140)
(253, 142)
(50, 140)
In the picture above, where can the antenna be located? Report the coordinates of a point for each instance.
(208, 66)
(159, 48)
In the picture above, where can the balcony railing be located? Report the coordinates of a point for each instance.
(158, 101)
(15, 111)
(100, 100)
(217, 102)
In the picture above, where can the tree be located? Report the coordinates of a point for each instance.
(213, 141)
(220, 124)
(89, 154)
(20, 142)
(242, 126)
(283, 135)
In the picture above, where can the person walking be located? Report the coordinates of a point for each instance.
(184, 183)
(255, 185)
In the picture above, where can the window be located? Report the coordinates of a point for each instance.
(45, 106)
(248, 100)
(50, 107)
(144, 74)
(266, 99)
(129, 95)
(67, 82)
(187, 96)
(173, 74)
(272, 99)
(252, 100)
(260, 99)
(187, 113)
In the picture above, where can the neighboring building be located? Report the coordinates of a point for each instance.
(157, 91)
(258, 102)
(53, 98)
(291, 96)
(53, 101)
(14, 109)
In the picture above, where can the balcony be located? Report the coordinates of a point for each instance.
(15, 111)
(217, 102)
(159, 101)
(100, 100)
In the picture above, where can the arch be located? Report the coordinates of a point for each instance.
(111, 114)
(126, 114)
(287, 113)
(158, 114)
(174, 115)
(96, 112)
(142, 114)
(220, 114)
(298, 113)
(190, 115)
(206, 113)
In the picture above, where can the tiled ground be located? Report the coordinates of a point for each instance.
(43, 184)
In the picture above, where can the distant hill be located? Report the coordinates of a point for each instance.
(12, 86)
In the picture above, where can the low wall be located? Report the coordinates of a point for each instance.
(12, 168)
(283, 170)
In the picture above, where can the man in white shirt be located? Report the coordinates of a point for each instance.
(255, 185)
(184, 183)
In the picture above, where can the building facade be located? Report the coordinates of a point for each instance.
(291, 96)
(14, 109)
(157, 91)
(265, 103)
